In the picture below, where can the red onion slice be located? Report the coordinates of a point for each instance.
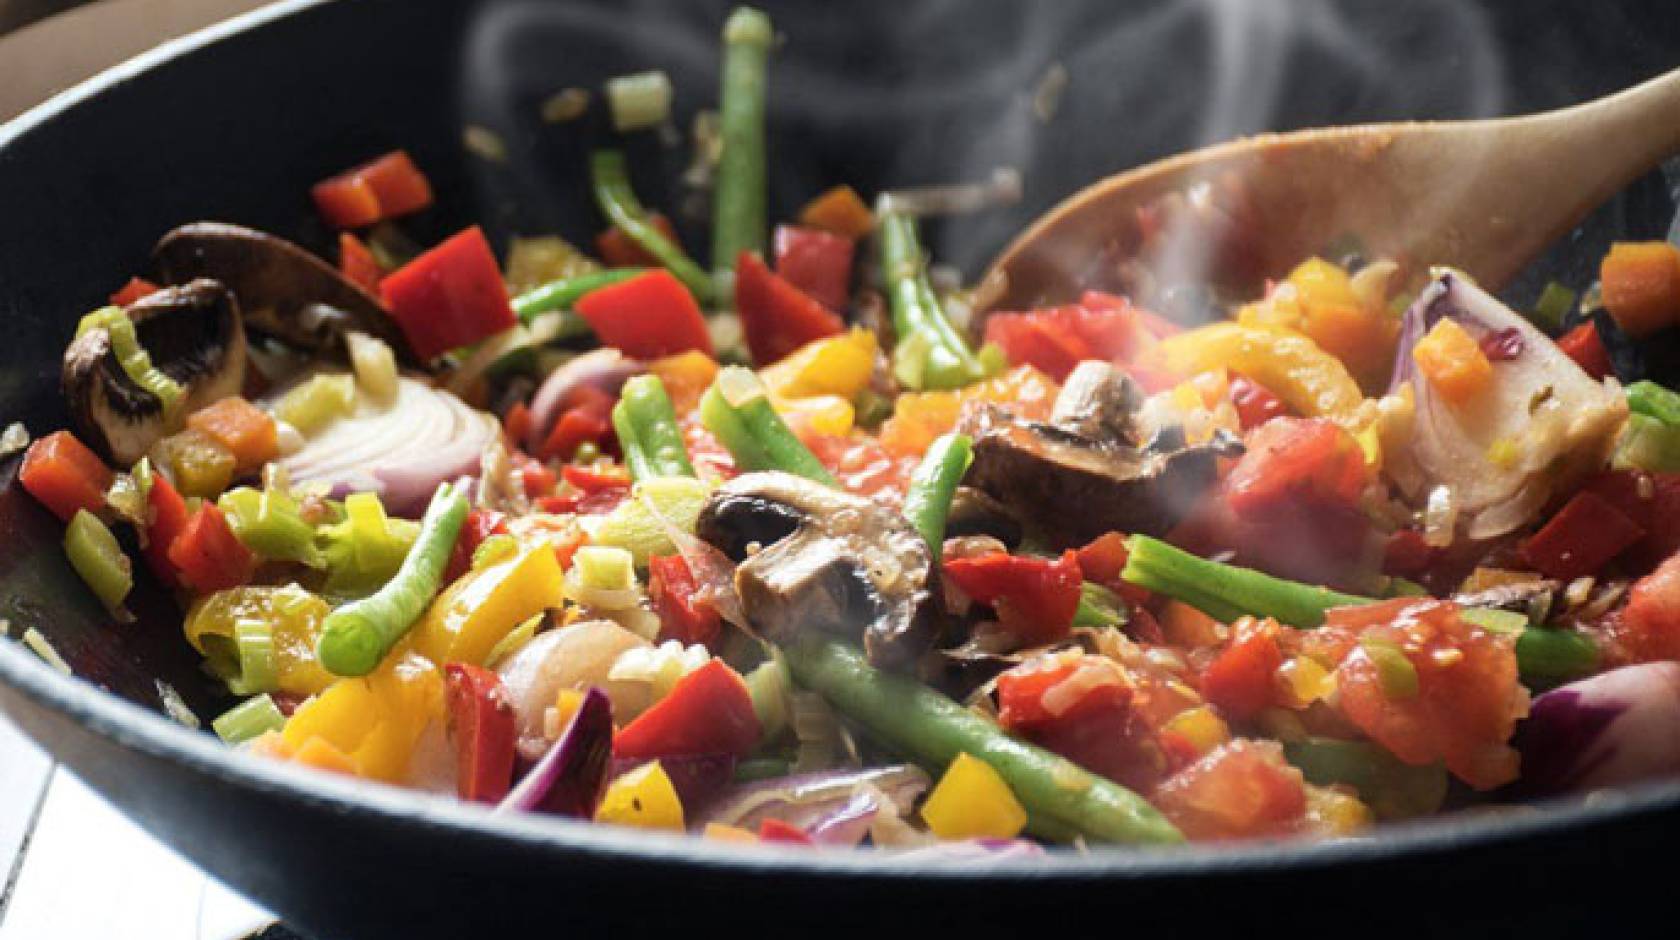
(568, 779)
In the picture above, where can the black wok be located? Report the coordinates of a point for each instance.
(235, 123)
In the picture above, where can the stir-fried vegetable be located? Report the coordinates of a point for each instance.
(737, 411)
(610, 177)
(927, 503)
(930, 353)
(740, 193)
(647, 431)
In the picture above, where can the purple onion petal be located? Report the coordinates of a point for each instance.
(568, 779)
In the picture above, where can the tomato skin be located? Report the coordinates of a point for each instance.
(1241, 679)
(1241, 790)
(1467, 699)
(1649, 626)
(709, 711)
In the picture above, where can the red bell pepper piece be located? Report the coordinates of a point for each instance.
(208, 555)
(771, 829)
(1584, 536)
(585, 417)
(777, 317)
(1586, 347)
(1038, 340)
(166, 514)
(1651, 498)
(619, 250)
(1034, 597)
(683, 615)
(381, 189)
(135, 289)
(1407, 555)
(450, 296)
(1153, 323)
(516, 424)
(816, 262)
(649, 316)
(479, 525)
(534, 475)
(1240, 679)
(1254, 402)
(64, 475)
(709, 711)
(358, 264)
(1101, 562)
(481, 722)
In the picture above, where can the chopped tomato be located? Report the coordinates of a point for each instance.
(777, 317)
(709, 711)
(861, 465)
(1584, 536)
(166, 516)
(450, 296)
(1254, 402)
(1459, 699)
(1038, 340)
(1649, 627)
(1241, 790)
(534, 475)
(208, 555)
(817, 262)
(1035, 598)
(64, 475)
(1080, 706)
(357, 263)
(1584, 345)
(516, 424)
(482, 725)
(649, 316)
(1296, 462)
(684, 615)
(1055, 339)
(136, 289)
(1241, 679)
(381, 189)
(619, 250)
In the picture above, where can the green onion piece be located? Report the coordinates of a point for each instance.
(314, 404)
(771, 687)
(1648, 444)
(1099, 607)
(1508, 622)
(563, 293)
(640, 100)
(250, 719)
(1650, 399)
(1554, 306)
(135, 361)
(258, 671)
(1398, 676)
(1547, 653)
(96, 556)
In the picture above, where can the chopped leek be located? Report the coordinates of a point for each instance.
(316, 403)
(135, 361)
(375, 365)
(366, 549)
(604, 568)
(100, 561)
(639, 101)
(250, 719)
(270, 523)
(258, 671)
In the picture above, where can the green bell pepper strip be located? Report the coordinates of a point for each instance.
(610, 180)
(1062, 799)
(356, 637)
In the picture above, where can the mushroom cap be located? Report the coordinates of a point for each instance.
(285, 291)
(193, 333)
(816, 558)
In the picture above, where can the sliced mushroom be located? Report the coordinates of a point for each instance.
(816, 558)
(1085, 473)
(193, 334)
(975, 514)
(285, 292)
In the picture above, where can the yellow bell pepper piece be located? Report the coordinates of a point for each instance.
(839, 365)
(972, 801)
(1319, 301)
(1453, 362)
(375, 721)
(643, 797)
(295, 616)
(1308, 379)
(819, 414)
(723, 833)
(686, 377)
(472, 615)
(1201, 727)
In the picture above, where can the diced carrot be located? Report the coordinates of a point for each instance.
(207, 553)
(618, 250)
(1453, 362)
(1641, 286)
(839, 210)
(357, 263)
(64, 475)
(135, 289)
(244, 429)
(1584, 345)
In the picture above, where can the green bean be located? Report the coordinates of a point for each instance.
(1392, 788)
(738, 198)
(738, 413)
(648, 431)
(1553, 655)
(610, 179)
(930, 353)
(928, 501)
(1062, 799)
(356, 637)
(561, 294)
(1226, 592)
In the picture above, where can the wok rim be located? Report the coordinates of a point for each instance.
(153, 735)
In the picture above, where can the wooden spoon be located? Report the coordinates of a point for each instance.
(1483, 196)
